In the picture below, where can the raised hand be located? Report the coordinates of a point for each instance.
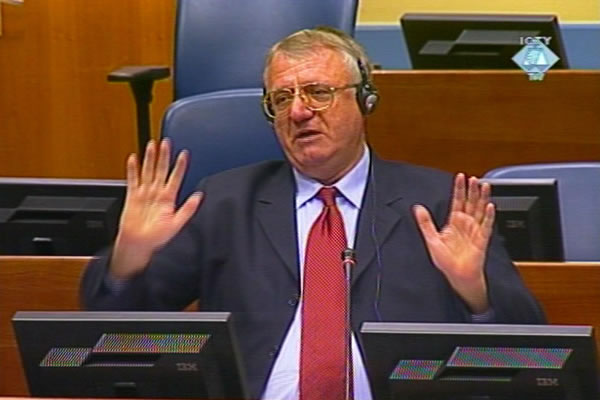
(459, 248)
(149, 218)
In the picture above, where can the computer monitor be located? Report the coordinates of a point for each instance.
(478, 361)
(130, 354)
(70, 217)
(528, 217)
(476, 41)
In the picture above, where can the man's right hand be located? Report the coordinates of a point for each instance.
(149, 219)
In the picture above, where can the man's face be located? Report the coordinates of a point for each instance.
(326, 144)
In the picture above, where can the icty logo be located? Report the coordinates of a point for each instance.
(535, 58)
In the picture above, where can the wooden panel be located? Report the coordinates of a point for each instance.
(32, 284)
(59, 117)
(473, 121)
(569, 292)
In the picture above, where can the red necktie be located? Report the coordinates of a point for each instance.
(323, 343)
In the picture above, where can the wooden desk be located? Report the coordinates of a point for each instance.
(569, 292)
(32, 283)
(470, 121)
(473, 121)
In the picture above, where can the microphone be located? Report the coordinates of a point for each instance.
(348, 261)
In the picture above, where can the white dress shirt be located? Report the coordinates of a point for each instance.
(283, 381)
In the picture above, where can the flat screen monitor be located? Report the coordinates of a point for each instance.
(478, 361)
(68, 217)
(528, 217)
(130, 354)
(476, 41)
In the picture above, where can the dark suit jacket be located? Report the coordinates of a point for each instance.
(239, 253)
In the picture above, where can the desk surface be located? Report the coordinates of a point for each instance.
(569, 292)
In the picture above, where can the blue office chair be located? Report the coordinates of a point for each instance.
(579, 196)
(221, 44)
(222, 130)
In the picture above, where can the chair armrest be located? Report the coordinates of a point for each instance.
(141, 79)
(137, 73)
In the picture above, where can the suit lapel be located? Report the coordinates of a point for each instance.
(378, 215)
(276, 216)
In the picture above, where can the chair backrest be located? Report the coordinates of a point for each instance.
(221, 130)
(579, 196)
(221, 44)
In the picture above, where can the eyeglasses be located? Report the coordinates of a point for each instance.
(315, 96)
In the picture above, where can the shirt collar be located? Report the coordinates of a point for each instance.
(351, 186)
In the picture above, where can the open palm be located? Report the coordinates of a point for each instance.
(150, 218)
(459, 248)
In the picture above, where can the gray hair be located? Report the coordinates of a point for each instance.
(305, 42)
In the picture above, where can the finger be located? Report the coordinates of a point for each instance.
(458, 197)
(162, 165)
(176, 177)
(472, 196)
(132, 172)
(425, 223)
(188, 209)
(148, 164)
(487, 225)
(484, 200)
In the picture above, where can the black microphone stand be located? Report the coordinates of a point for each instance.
(348, 261)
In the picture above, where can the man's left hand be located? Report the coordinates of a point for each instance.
(459, 248)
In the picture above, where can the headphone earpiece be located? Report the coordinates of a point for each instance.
(367, 95)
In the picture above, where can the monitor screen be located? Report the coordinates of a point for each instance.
(479, 361)
(70, 217)
(528, 217)
(130, 354)
(476, 41)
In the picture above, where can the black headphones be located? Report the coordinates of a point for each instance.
(367, 95)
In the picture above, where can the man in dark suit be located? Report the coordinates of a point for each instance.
(424, 242)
